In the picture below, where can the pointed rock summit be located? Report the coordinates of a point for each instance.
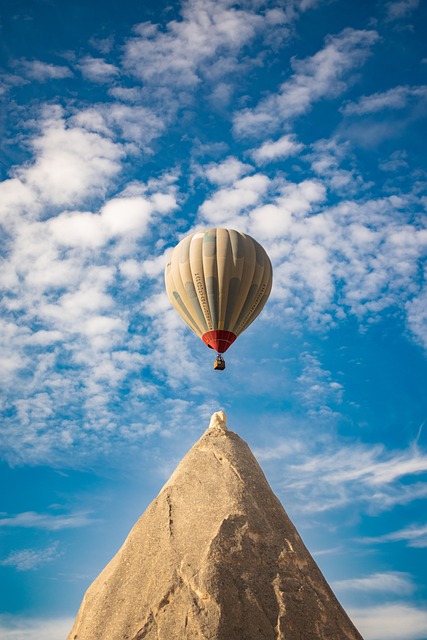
(214, 557)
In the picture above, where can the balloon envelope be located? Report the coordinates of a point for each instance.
(218, 280)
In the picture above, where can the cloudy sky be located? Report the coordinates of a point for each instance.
(126, 126)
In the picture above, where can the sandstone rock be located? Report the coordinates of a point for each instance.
(214, 557)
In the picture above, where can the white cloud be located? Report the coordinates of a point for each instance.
(118, 217)
(16, 197)
(124, 215)
(92, 119)
(21, 628)
(333, 161)
(127, 94)
(200, 51)
(317, 77)
(221, 95)
(396, 98)
(97, 69)
(228, 203)
(279, 451)
(44, 337)
(416, 310)
(80, 228)
(370, 469)
(10, 80)
(393, 621)
(47, 521)
(164, 202)
(29, 559)
(295, 201)
(279, 149)
(414, 535)
(136, 124)
(305, 5)
(103, 45)
(396, 161)
(176, 55)
(397, 9)
(315, 388)
(67, 350)
(396, 582)
(172, 349)
(226, 172)
(70, 163)
(43, 71)
(151, 267)
(323, 474)
(327, 552)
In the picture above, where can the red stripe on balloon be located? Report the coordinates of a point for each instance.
(219, 340)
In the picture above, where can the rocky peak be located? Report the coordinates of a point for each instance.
(214, 557)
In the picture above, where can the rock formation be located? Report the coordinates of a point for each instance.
(214, 557)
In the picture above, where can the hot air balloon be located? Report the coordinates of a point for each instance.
(218, 280)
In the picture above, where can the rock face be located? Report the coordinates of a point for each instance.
(214, 557)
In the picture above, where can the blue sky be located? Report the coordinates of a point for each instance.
(126, 126)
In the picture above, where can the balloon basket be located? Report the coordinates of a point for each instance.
(219, 363)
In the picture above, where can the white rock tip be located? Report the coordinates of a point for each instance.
(218, 420)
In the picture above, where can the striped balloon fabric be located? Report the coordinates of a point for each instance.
(219, 281)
